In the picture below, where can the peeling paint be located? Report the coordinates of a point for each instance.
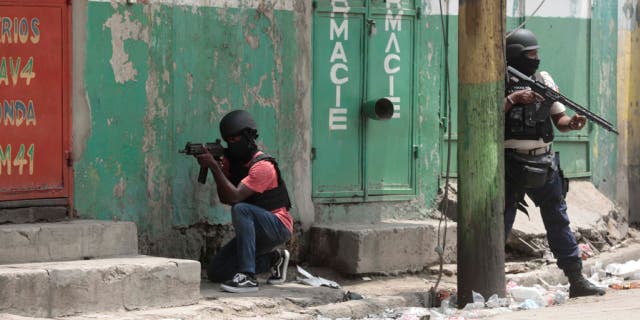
(221, 106)
(189, 84)
(119, 189)
(122, 28)
(430, 52)
(251, 40)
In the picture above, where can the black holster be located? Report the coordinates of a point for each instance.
(529, 171)
(564, 180)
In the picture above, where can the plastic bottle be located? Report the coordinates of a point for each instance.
(521, 294)
(624, 270)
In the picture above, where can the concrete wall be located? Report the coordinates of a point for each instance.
(628, 175)
(150, 76)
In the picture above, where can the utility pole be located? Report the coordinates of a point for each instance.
(480, 149)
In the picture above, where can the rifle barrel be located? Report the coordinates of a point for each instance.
(553, 95)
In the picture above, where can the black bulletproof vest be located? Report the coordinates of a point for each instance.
(528, 121)
(269, 200)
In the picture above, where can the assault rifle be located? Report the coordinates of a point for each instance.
(554, 96)
(196, 148)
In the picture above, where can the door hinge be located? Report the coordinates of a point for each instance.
(415, 151)
(314, 4)
(372, 27)
(418, 13)
(313, 153)
(68, 158)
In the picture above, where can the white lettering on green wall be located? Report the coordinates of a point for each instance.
(393, 23)
(339, 71)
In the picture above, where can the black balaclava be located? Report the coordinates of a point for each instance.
(525, 65)
(242, 150)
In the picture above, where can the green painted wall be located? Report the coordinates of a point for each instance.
(158, 76)
(603, 93)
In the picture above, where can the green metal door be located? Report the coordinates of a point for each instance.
(337, 94)
(363, 51)
(389, 151)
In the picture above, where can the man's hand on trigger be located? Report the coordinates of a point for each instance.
(216, 149)
(206, 160)
(526, 96)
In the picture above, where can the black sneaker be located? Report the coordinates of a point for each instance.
(279, 269)
(240, 283)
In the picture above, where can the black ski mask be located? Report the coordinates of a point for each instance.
(242, 150)
(525, 65)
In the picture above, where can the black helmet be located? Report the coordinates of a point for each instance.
(519, 41)
(235, 122)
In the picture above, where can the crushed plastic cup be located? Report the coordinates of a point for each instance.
(535, 294)
(477, 297)
(495, 301)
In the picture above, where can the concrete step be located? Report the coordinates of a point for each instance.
(384, 247)
(69, 240)
(55, 289)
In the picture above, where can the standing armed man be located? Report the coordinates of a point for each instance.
(249, 181)
(531, 167)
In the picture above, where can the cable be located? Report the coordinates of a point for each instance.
(527, 19)
(443, 217)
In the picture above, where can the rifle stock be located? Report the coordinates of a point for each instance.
(554, 96)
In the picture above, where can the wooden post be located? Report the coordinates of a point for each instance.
(480, 150)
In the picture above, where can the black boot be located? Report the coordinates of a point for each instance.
(578, 285)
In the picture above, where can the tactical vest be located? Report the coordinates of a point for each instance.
(270, 199)
(528, 121)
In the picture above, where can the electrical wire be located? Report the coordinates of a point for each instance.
(527, 19)
(445, 206)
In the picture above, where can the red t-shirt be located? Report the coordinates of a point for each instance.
(262, 177)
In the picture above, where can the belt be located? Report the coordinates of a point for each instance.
(532, 152)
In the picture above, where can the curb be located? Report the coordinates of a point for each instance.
(356, 309)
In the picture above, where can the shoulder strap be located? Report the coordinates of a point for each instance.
(259, 158)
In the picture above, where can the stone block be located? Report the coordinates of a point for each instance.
(69, 240)
(56, 289)
(385, 247)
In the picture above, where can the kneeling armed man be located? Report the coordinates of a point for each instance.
(249, 181)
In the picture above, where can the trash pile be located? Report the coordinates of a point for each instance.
(614, 276)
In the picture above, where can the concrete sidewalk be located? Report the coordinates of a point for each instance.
(297, 301)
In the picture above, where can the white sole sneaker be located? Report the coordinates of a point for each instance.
(285, 265)
(227, 288)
